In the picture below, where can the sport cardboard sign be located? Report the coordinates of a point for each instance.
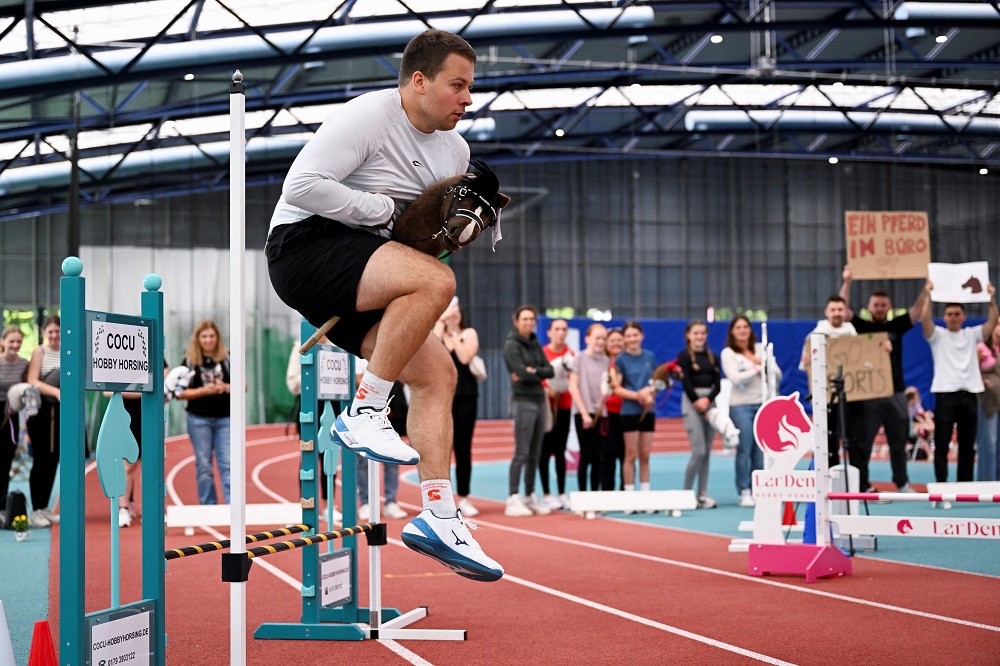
(887, 244)
(867, 371)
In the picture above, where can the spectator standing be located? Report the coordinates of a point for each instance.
(613, 451)
(13, 370)
(43, 427)
(560, 403)
(889, 413)
(528, 366)
(957, 381)
(634, 366)
(987, 465)
(207, 398)
(835, 326)
(741, 362)
(585, 387)
(462, 342)
(702, 381)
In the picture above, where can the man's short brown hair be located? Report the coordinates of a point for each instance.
(427, 52)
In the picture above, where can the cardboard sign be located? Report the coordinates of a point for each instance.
(887, 244)
(867, 371)
(960, 283)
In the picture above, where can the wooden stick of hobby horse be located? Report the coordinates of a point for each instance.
(320, 332)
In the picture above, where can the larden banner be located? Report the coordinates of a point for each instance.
(887, 244)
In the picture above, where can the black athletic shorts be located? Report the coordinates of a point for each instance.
(315, 267)
(632, 422)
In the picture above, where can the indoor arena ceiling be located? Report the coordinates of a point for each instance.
(147, 83)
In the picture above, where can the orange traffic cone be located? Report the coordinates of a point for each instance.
(789, 517)
(43, 651)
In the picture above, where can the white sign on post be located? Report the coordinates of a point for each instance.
(335, 578)
(334, 380)
(121, 641)
(119, 353)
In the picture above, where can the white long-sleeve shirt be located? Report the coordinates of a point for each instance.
(365, 155)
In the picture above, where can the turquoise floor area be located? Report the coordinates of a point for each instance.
(24, 583)
(667, 472)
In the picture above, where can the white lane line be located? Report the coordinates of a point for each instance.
(743, 577)
(646, 621)
(295, 584)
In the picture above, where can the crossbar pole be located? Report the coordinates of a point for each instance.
(915, 497)
(212, 546)
(323, 537)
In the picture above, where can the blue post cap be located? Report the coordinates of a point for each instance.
(152, 282)
(72, 266)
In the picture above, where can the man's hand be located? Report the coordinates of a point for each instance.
(846, 275)
(887, 345)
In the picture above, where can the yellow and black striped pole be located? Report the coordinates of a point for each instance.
(187, 551)
(269, 549)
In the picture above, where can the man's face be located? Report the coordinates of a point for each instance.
(954, 317)
(835, 313)
(444, 98)
(557, 332)
(879, 306)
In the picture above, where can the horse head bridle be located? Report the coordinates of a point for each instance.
(458, 193)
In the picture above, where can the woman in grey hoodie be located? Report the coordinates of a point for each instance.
(528, 366)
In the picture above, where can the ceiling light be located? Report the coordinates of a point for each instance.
(833, 160)
(189, 77)
(941, 39)
(560, 132)
(716, 39)
(983, 171)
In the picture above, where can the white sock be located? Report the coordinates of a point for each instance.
(372, 392)
(629, 486)
(438, 498)
(644, 485)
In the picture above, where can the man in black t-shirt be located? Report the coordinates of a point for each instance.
(891, 412)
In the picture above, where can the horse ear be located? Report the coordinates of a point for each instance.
(504, 199)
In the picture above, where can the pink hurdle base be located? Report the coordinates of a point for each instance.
(914, 497)
(809, 560)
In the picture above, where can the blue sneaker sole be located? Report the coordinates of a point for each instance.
(433, 547)
(338, 437)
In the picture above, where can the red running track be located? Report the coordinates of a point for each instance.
(576, 591)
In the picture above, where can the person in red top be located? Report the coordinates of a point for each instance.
(614, 443)
(561, 404)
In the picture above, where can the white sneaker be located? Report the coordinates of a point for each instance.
(124, 517)
(394, 511)
(53, 518)
(564, 502)
(370, 434)
(551, 502)
(449, 541)
(364, 513)
(467, 509)
(905, 488)
(706, 502)
(38, 519)
(746, 498)
(536, 507)
(516, 507)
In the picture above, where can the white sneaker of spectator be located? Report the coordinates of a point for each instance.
(516, 507)
(53, 518)
(370, 434)
(536, 507)
(564, 502)
(124, 517)
(746, 498)
(394, 511)
(38, 519)
(467, 508)
(364, 513)
(551, 502)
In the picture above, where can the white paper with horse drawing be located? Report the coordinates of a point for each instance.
(959, 283)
